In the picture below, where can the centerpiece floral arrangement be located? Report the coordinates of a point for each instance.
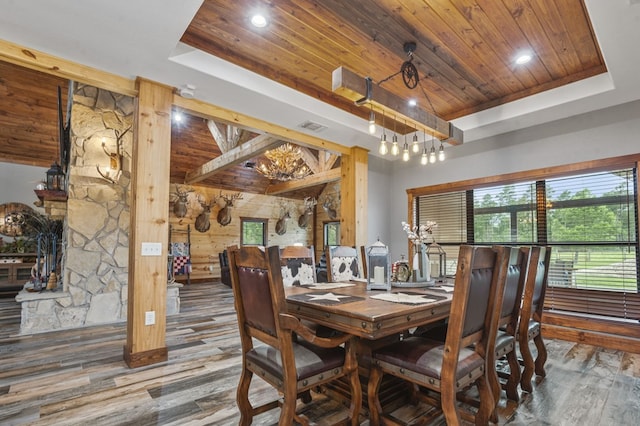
(419, 234)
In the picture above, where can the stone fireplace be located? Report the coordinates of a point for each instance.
(95, 255)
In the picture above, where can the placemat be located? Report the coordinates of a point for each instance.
(323, 298)
(408, 298)
(326, 286)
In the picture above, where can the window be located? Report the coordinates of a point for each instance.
(332, 234)
(505, 214)
(589, 219)
(253, 232)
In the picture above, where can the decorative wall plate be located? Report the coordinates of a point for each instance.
(12, 218)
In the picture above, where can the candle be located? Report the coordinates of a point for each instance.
(378, 274)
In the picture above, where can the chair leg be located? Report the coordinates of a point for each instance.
(487, 402)
(288, 409)
(514, 377)
(541, 359)
(242, 398)
(494, 383)
(528, 367)
(449, 406)
(375, 408)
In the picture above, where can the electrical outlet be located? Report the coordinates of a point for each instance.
(151, 249)
(149, 318)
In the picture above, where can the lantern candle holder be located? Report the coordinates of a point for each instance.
(378, 267)
(438, 258)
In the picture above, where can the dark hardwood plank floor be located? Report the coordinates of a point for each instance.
(78, 377)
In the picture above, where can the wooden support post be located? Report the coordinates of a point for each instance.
(149, 224)
(353, 197)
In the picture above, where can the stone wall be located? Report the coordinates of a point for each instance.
(95, 274)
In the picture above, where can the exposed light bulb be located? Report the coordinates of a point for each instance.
(395, 150)
(383, 149)
(415, 146)
(424, 159)
(441, 153)
(405, 152)
(372, 123)
(432, 155)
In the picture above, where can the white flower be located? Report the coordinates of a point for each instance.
(421, 233)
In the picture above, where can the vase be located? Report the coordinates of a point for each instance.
(421, 265)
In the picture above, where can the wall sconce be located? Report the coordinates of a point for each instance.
(114, 170)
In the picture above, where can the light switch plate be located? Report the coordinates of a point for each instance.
(149, 318)
(151, 249)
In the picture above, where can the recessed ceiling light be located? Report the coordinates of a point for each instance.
(523, 58)
(259, 21)
(412, 102)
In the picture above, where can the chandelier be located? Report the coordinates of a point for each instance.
(412, 119)
(283, 163)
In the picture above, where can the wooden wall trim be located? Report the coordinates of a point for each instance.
(208, 111)
(610, 334)
(529, 175)
(49, 64)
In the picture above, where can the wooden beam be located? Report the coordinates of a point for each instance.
(49, 64)
(353, 198)
(247, 150)
(207, 111)
(327, 160)
(311, 180)
(218, 137)
(353, 87)
(147, 289)
(310, 159)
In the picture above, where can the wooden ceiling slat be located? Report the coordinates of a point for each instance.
(440, 69)
(477, 54)
(532, 28)
(558, 34)
(492, 33)
(581, 34)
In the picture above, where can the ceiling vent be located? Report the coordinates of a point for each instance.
(314, 127)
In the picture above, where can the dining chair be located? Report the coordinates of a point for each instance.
(531, 317)
(298, 265)
(518, 265)
(291, 367)
(446, 368)
(343, 263)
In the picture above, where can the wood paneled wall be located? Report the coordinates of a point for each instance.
(205, 246)
(322, 217)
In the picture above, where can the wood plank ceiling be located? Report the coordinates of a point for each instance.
(465, 48)
(465, 59)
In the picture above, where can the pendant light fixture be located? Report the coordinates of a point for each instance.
(441, 152)
(405, 149)
(432, 153)
(383, 149)
(415, 147)
(424, 159)
(372, 120)
(395, 150)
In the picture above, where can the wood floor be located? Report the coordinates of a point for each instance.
(78, 377)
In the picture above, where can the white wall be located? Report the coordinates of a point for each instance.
(606, 133)
(379, 208)
(17, 183)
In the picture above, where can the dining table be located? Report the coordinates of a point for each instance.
(376, 317)
(369, 314)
